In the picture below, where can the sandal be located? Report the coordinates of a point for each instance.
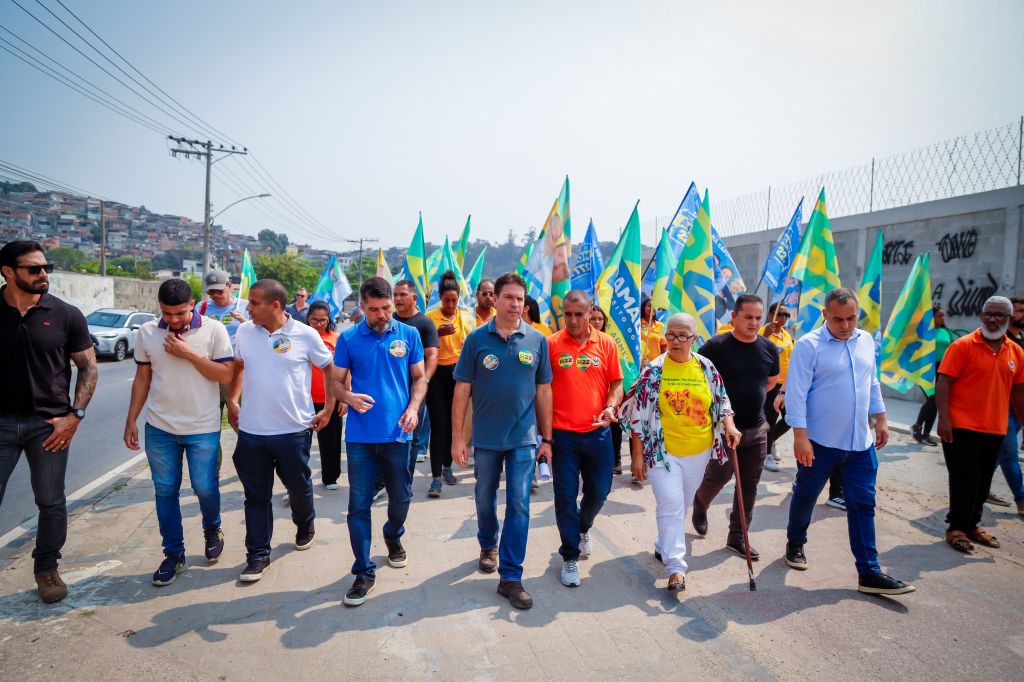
(958, 540)
(983, 537)
(676, 582)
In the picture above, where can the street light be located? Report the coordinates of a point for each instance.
(254, 196)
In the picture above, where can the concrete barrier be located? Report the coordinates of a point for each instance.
(90, 292)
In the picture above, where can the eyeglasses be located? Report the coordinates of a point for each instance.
(990, 316)
(36, 269)
(318, 321)
(671, 338)
(782, 315)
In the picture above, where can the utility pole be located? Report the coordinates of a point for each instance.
(359, 263)
(204, 150)
(103, 240)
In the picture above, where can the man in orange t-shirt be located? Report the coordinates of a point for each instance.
(979, 376)
(586, 388)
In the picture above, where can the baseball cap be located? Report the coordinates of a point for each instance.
(216, 279)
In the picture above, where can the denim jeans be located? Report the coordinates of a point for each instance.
(46, 470)
(575, 455)
(519, 464)
(364, 461)
(256, 459)
(1008, 459)
(859, 468)
(164, 451)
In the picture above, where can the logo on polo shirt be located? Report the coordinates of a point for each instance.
(490, 361)
(1013, 365)
(397, 348)
(565, 361)
(281, 344)
(525, 357)
(595, 362)
(583, 362)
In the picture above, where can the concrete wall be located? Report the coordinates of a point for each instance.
(89, 292)
(976, 244)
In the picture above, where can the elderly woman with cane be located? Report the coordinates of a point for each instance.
(678, 416)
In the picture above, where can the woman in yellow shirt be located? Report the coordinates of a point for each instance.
(652, 338)
(531, 316)
(453, 326)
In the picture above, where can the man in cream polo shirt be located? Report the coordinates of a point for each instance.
(276, 420)
(180, 361)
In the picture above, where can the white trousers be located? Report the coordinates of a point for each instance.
(674, 488)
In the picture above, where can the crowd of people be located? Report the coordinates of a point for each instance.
(501, 393)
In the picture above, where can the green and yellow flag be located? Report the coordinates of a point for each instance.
(664, 265)
(415, 267)
(619, 296)
(870, 293)
(248, 276)
(908, 346)
(693, 283)
(559, 225)
(462, 244)
(816, 267)
(475, 275)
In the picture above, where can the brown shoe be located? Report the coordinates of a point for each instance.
(1020, 507)
(488, 560)
(516, 595)
(51, 587)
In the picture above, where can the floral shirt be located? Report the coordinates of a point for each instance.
(639, 413)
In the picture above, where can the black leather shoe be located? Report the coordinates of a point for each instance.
(700, 523)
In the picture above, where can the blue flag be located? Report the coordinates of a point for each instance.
(332, 287)
(780, 260)
(589, 263)
(679, 228)
(728, 283)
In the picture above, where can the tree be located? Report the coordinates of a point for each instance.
(368, 270)
(288, 269)
(275, 242)
(197, 286)
(65, 258)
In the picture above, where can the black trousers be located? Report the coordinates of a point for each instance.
(440, 396)
(926, 415)
(971, 460)
(329, 440)
(750, 454)
(616, 432)
(776, 420)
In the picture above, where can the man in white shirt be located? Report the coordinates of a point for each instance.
(180, 361)
(276, 420)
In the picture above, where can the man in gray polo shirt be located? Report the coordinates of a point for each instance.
(504, 363)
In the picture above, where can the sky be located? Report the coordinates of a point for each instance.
(368, 113)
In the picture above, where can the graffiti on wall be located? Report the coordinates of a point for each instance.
(968, 297)
(897, 252)
(954, 245)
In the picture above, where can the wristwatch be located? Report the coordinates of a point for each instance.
(547, 441)
(78, 412)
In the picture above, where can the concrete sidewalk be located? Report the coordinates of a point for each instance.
(440, 618)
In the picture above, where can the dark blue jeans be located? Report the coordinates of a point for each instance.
(580, 455)
(46, 471)
(164, 451)
(256, 459)
(364, 461)
(520, 464)
(1008, 459)
(859, 468)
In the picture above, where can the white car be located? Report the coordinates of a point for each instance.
(113, 330)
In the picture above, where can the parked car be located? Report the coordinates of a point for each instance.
(113, 330)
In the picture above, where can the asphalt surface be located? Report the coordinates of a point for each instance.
(96, 449)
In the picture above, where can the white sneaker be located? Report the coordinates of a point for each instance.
(332, 486)
(585, 545)
(570, 574)
(421, 457)
(770, 464)
(284, 500)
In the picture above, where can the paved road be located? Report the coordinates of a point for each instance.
(97, 447)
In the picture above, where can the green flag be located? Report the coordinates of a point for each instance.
(462, 244)
(415, 265)
(908, 346)
(816, 266)
(476, 274)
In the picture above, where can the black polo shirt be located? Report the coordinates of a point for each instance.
(35, 356)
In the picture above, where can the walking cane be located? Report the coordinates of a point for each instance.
(743, 520)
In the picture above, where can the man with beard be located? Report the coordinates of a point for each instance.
(979, 376)
(40, 336)
(181, 360)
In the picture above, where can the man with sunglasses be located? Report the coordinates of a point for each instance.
(299, 308)
(774, 404)
(40, 336)
(981, 375)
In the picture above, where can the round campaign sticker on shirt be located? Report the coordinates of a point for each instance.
(281, 344)
(565, 361)
(525, 357)
(490, 361)
(397, 348)
(226, 319)
(583, 362)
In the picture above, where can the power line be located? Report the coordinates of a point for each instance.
(322, 233)
(45, 180)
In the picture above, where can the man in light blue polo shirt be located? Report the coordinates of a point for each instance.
(505, 363)
(385, 361)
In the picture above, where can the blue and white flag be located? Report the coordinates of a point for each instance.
(728, 283)
(780, 260)
(589, 263)
(679, 228)
(332, 287)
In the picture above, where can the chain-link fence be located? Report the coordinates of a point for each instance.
(978, 162)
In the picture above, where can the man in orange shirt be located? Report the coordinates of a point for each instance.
(980, 374)
(586, 388)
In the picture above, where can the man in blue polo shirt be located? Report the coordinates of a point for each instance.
(505, 365)
(385, 360)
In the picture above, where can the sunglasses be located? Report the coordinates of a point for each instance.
(36, 269)
(784, 316)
